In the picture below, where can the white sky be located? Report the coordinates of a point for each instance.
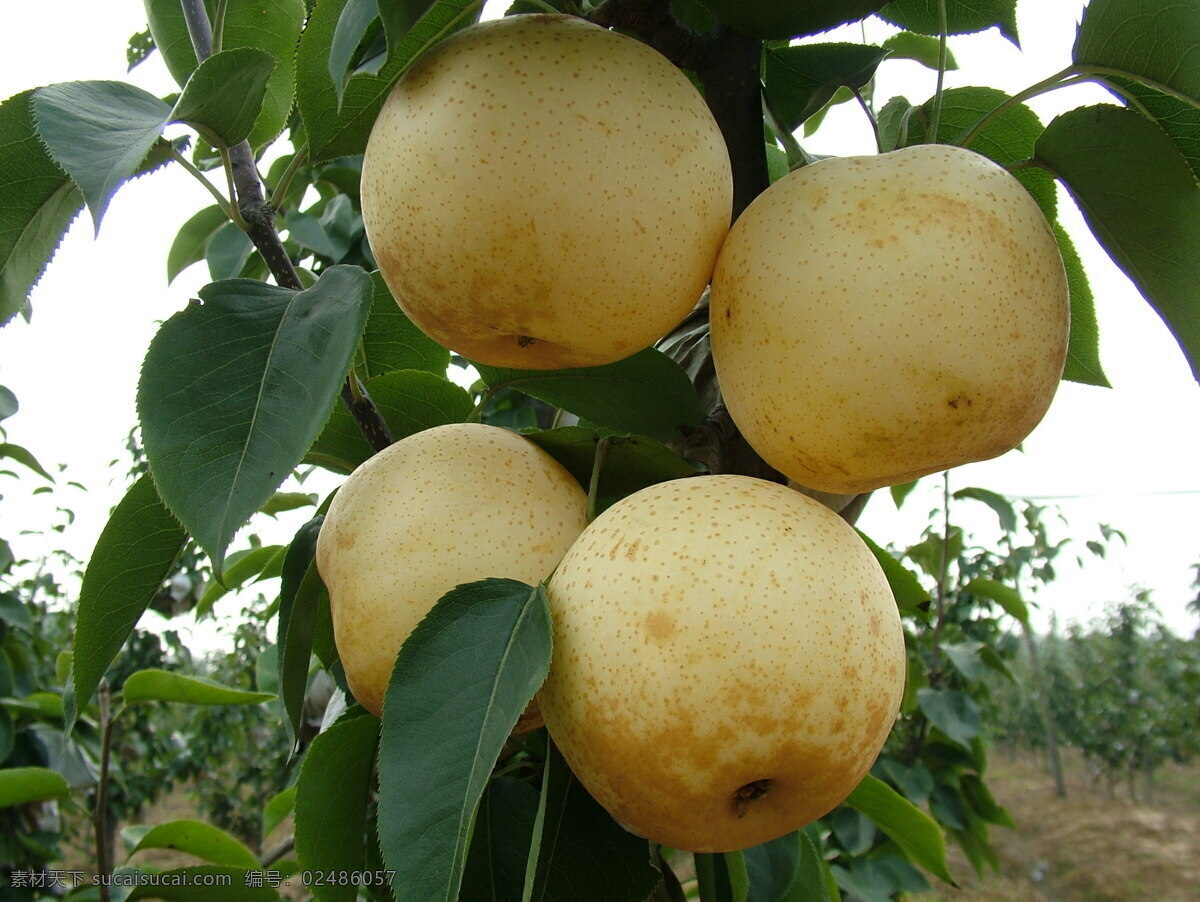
(1126, 457)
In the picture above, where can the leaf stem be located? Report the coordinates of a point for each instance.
(299, 158)
(935, 118)
(866, 108)
(226, 207)
(594, 482)
(104, 864)
(1057, 80)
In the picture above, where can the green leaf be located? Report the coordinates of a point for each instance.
(812, 874)
(409, 401)
(962, 16)
(155, 685)
(646, 394)
(191, 243)
(282, 502)
(911, 829)
(250, 566)
(99, 132)
(1142, 202)
(630, 463)
(195, 884)
(133, 557)
(739, 879)
(1180, 119)
(1083, 348)
(339, 124)
(460, 682)
(777, 20)
(8, 403)
(297, 620)
(331, 802)
(197, 838)
(1147, 40)
(495, 868)
(40, 202)
(355, 18)
(583, 854)
(911, 597)
(801, 79)
(399, 16)
(19, 785)
(966, 658)
(1007, 597)
(954, 713)
(24, 457)
(1000, 505)
(772, 868)
(979, 797)
(391, 341)
(919, 48)
(224, 95)
(855, 832)
(235, 390)
(278, 807)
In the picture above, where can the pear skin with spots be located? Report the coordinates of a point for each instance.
(879, 318)
(447, 506)
(541, 192)
(728, 661)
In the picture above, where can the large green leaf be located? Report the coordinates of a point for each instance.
(155, 685)
(99, 132)
(23, 456)
(495, 868)
(197, 838)
(195, 884)
(962, 16)
(297, 621)
(913, 830)
(801, 79)
(1149, 40)
(954, 713)
(1180, 119)
(772, 868)
(1141, 200)
(19, 785)
(1083, 348)
(224, 96)
(911, 597)
(234, 391)
(409, 401)
(1001, 506)
(338, 125)
(399, 16)
(40, 202)
(646, 394)
(460, 682)
(582, 853)
(392, 342)
(134, 555)
(332, 795)
(1007, 597)
(191, 243)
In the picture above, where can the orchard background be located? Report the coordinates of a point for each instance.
(244, 746)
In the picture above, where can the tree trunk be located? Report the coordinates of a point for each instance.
(1053, 756)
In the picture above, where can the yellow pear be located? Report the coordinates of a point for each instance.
(446, 506)
(728, 661)
(540, 192)
(878, 318)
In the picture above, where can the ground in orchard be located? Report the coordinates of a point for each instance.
(1090, 846)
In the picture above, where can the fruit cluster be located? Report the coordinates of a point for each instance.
(540, 192)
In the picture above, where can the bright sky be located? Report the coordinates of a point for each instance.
(1126, 457)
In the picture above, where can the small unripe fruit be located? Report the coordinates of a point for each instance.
(447, 506)
(541, 192)
(728, 661)
(875, 319)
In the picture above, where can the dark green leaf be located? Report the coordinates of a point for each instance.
(169, 31)
(297, 617)
(1007, 597)
(392, 342)
(1147, 40)
(410, 401)
(224, 95)
(352, 24)
(8, 403)
(1000, 505)
(460, 682)
(154, 685)
(277, 808)
(854, 831)
(920, 48)
(583, 854)
(339, 126)
(772, 868)
(331, 802)
(911, 829)
(234, 391)
(962, 16)
(227, 251)
(910, 595)
(979, 797)
(947, 806)
(812, 873)
(778, 20)
(19, 785)
(954, 713)
(308, 232)
(13, 610)
(24, 457)
(495, 868)
(1083, 349)
(195, 884)
(399, 16)
(39, 203)
(99, 132)
(1180, 119)
(1141, 201)
(197, 838)
(966, 658)
(646, 394)
(800, 80)
(191, 243)
(134, 555)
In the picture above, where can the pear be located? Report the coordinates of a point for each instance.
(878, 318)
(728, 661)
(439, 508)
(540, 192)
